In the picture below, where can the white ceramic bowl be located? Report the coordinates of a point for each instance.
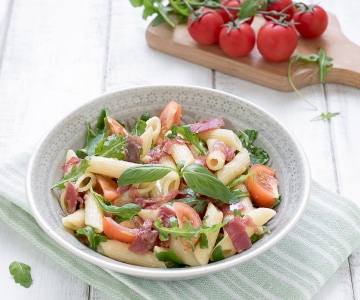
(198, 103)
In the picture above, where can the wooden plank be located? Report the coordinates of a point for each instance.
(253, 67)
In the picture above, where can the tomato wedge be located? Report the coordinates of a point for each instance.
(108, 188)
(116, 128)
(185, 213)
(118, 232)
(263, 186)
(170, 115)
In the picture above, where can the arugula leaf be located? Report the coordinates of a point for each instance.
(201, 180)
(73, 175)
(143, 173)
(323, 61)
(139, 128)
(188, 135)
(112, 146)
(94, 137)
(257, 154)
(93, 237)
(325, 116)
(21, 273)
(127, 211)
(218, 254)
(192, 200)
(187, 231)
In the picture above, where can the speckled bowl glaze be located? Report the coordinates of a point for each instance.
(287, 157)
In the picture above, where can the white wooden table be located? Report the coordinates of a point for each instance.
(55, 55)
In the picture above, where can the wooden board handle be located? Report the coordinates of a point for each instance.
(345, 54)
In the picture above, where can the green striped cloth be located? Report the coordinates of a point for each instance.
(327, 233)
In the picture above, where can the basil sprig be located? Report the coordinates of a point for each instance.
(196, 176)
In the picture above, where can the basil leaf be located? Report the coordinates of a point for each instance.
(143, 173)
(21, 273)
(201, 180)
(170, 258)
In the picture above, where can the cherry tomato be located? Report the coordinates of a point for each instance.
(284, 6)
(276, 42)
(204, 26)
(117, 231)
(185, 213)
(108, 188)
(116, 128)
(263, 186)
(237, 41)
(231, 4)
(169, 116)
(311, 21)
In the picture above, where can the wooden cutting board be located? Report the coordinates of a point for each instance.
(345, 54)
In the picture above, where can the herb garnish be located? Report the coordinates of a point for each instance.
(21, 273)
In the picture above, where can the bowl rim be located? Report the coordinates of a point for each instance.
(155, 273)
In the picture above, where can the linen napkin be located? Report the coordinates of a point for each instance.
(295, 268)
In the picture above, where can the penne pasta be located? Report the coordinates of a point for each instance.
(212, 217)
(215, 160)
(108, 166)
(85, 181)
(75, 220)
(227, 136)
(120, 251)
(185, 253)
(164, 208)
(147, 141)
(155, 124)
(181, 152)
(93, 213)
(234, 168)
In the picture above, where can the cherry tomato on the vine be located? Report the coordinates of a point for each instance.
(311, 20)
(284, 6)
(204, 26)
(276, 42)
(237, 40)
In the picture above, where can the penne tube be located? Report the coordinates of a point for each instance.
(108, 166)
(184, 253)
(75, 220)
(213, 216)
(147, 140)
(234, 168)
(215, 160)
(85, 181)
(155, 124)
(226, 135)
(120, 251)
(93, 213)
(181, 152)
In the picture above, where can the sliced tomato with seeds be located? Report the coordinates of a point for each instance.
(263, 186)
(118, 232)
(185, 213)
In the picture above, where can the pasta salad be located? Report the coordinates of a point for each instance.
(164, 195)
